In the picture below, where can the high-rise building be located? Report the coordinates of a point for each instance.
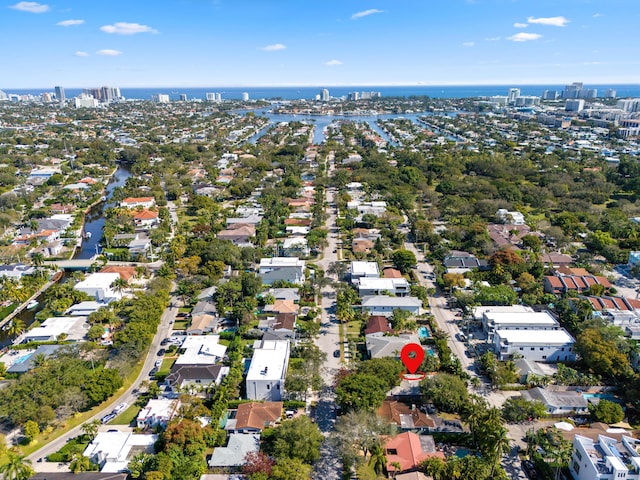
(574, 105)
(183, 97)
(60, 94)
(211, 97)
(610, 93)
(160, 98)
(572, 91)
(513, 94)
(549, 95)
(324, 95)
(354, 96)
(245, 97)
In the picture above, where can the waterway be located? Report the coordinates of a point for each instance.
(321, 121)
(94, 220)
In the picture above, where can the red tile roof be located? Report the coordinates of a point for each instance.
(257, 416)
(377, 324)
(406, 450)
(145, 215)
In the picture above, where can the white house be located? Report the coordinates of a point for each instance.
(201, 350)
(384, 305)
(16, 271)
(268, 370)
(605, 458)
(289, 269)
(377, 286)
(512, 218)
(361, 269)
(74, 328)
(492, 321)
(535, 345)
(113, 450)
(478, 312)
(135, 202)
(558, 401)
(98, 285)
(157, 412)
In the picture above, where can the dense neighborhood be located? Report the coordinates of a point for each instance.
(206, 290)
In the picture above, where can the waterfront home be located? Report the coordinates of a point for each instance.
(135, 202)
(146, 219)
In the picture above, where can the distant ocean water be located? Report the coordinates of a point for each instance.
(293, 93)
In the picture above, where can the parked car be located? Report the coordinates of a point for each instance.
(119, 408)
(336, 353)
(529, 469)
(108, 417)
(161, 352)
(158, 363)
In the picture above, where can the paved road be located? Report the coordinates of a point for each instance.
(329, 467)
(127, 396)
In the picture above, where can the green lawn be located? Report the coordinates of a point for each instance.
(127, 417)
(353, 328)
(180, 325)
(165, 368)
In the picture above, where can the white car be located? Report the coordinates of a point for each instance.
(119, 408)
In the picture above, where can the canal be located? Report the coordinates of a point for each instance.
(94, 220)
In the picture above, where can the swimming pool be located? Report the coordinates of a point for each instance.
(600, 396)
(429, 351)
(423, 332)
(22, 358)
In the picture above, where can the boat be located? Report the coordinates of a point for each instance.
(86, 235)
(32, 304)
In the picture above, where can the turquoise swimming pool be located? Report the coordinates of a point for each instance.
(423, 332)
(601, 396)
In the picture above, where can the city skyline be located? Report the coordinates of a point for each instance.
(193, 43)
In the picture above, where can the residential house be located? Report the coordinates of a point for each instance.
(250, 220)
(283, 294)
(390, 272)
(556, 259)
(560, 284)
(295, 247)
(201, 350)
(113, 450)
(463, 262)
(238, 233)
(78, 476)
(126, 273)
(202, 324)
(62, 208)
(233, 455)
(253, 417)
(157, 413)
(512, 319)
(361, 245)
(98, 286)
(605, 458)
(404, 416)
(378, 325)
(146, 219)
(288, 269)
(282, 306)
(138, 202)
(388, 346)
(16, 271)
(385, 305)
(512, 218)
(536, 345)
(412, 476)
(57, 328)
(507, 236)
(479, 312)
(268, 370)
(359, 270)
(558, 401)
(195, 377)
(379, 286)
(409, 450)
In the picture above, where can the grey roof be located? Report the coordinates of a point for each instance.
(204, 306)
(233, 454)
(207, 293)
(27, 363)
(284, 294)
(78, 476)
(17, 267)
(388, 346)
(180, 373)
(557, 398)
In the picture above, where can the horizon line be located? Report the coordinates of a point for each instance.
(512, 84)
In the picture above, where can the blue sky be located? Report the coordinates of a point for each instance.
(190, 43)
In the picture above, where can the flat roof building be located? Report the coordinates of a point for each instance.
(536, 345)
(201, 350)
(268, 370)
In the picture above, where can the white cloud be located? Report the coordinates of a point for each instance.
(365, 13)
(524, 37)
(493, 39)
(31, 7)
(80, 53)
(552, 21)
(107, 52)
(124, 28)
(69, 23)
(596, 15)
(333, 63)
(520, 25)
(468, 44)
(274, 48)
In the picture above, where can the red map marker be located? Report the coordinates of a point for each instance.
(412, 355)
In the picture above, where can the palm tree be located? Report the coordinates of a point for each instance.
(500, 446)
(37, 259)
(17, 327)
(378, 459)
(91, 428)
(17, 467)
(119, 285)
(79, 463)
